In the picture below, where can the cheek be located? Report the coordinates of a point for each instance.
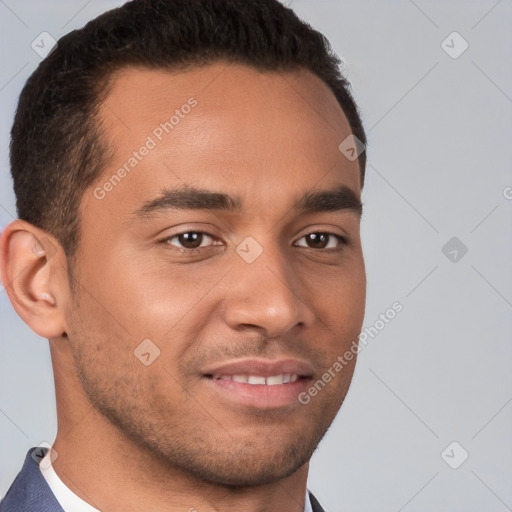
(137, 299)
(98, 336)
(103, 322)
(339, 298)
(174, 303)
(341, 311)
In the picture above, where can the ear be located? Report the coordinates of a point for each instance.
(33, 268)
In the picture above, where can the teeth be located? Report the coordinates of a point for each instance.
(253, 379)
(273, 380)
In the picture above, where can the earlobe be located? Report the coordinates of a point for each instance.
(30, 271)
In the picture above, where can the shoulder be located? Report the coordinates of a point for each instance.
(29, 492)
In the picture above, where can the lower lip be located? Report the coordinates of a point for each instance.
(260, 396)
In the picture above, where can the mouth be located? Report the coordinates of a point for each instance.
(259, 380)
(259, 384)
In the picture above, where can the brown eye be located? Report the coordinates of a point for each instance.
(189, 240)
(320, 240)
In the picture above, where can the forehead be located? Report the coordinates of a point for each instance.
(137, 91)
(224, 126)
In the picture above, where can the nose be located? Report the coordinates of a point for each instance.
(267, 295)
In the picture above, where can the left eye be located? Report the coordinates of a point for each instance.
(320, 240)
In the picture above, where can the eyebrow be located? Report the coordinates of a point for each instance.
(188, 197)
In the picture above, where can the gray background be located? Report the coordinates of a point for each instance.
(440, 160)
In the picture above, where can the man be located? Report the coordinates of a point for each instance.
(188, 178)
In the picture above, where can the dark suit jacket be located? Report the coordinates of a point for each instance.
(30, 493)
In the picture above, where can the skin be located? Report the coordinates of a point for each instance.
(136, 437)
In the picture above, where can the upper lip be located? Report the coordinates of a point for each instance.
(262, 367)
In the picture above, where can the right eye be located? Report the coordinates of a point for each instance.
(190, 240)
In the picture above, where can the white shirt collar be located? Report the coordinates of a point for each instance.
(67, 499)
(307, 503)
(70, 502)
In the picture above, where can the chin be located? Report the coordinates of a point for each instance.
(248, 471)
(241, 463)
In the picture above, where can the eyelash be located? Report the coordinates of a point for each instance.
(342, 241)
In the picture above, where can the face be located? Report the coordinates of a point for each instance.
(220, 272)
